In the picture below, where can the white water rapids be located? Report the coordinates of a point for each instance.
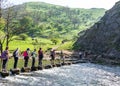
(84, 74)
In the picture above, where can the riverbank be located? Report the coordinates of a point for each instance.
(106, 60)
(103, 59)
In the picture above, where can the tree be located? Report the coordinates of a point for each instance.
(2, 40)
(2, 25)
(2, 21)
(26, 24)
(75, 22)
(10, 15)
(2, 34)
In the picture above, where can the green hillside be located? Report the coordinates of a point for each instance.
(51, 22)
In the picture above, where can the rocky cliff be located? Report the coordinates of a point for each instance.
(103, 36)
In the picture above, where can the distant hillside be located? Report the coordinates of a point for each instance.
(103, 36)
(49, 20)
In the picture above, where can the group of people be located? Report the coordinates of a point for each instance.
(26, 54)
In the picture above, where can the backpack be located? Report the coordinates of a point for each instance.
(32, 54)
(14, 53)
(40, 52)
(52, 53)
(3, 55)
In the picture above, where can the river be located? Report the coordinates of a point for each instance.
(84, 74)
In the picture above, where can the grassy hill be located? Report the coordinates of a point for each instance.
(52, 23)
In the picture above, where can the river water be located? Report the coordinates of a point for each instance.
(84, 74)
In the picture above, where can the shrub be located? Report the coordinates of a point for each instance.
(23, 36)
(55, 40)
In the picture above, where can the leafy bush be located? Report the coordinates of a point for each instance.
(55, 40)
(23, 36)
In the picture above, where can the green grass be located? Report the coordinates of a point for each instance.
(20, 64)
(20, 44)
(41, 42)
(66, 46)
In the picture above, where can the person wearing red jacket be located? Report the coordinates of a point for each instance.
(26, 55)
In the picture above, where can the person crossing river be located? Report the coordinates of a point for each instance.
(5, 56)
(26, 55)
(34, 55)
(40, 56)
(16, 57)
(52, 55)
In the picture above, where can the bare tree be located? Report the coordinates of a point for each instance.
(10, 24)
(2, 37)
(7, 12)
(2, 40)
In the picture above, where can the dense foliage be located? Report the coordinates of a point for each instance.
(46, 20)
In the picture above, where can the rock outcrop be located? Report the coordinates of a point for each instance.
(104, 36)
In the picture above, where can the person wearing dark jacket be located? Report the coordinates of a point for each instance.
(52, 55)
(40, 56)
(16, 57)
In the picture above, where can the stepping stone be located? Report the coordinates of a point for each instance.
(58, 65)
(4, 74)
(74, 62)
(53, 65)
(48, 66)
(40, 67)
(34, 68)
(15, 71)
(63, 64)
(25, 69)
(69, 63)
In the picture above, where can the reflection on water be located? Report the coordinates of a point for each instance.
(86, 74)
